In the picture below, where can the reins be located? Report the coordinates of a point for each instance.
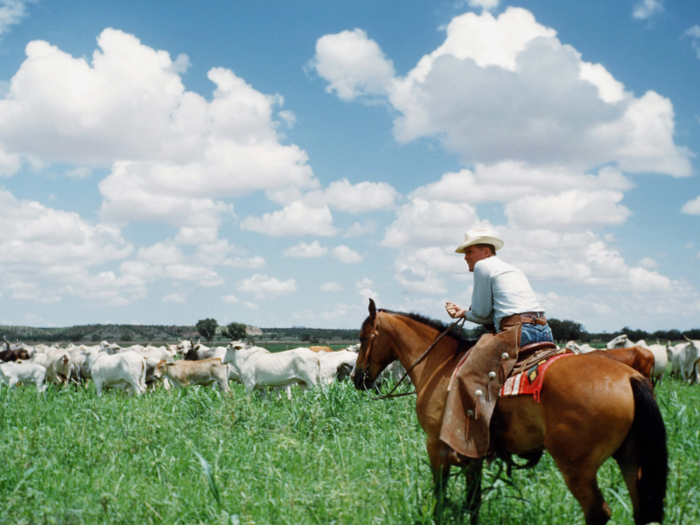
(422, 356)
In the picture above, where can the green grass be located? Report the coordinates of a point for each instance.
(329, 456)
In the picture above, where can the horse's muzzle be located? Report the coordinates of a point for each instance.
(361, 381)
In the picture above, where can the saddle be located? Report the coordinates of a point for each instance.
(533, 353)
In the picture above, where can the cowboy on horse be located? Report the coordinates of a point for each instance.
(502, 301)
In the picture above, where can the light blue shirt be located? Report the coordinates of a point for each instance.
(500, 290)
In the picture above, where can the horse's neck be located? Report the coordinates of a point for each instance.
(411, 339)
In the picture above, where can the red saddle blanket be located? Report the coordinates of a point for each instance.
(529, 381)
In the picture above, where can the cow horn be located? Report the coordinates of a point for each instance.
(687, 338)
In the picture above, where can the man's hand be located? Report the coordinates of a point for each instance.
(454, 310)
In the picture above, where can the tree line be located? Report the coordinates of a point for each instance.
(566, 330)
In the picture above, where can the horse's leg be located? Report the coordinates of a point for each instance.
(441, 473)
(472, 502)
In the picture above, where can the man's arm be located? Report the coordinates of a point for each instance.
(481, 310)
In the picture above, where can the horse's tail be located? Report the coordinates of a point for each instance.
(649, 436)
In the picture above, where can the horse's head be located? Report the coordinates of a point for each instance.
(375, 351)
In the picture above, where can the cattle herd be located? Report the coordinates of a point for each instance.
(136, 369)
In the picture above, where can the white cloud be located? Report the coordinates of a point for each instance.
(346, 255)
(255, 262)
(357, 198)
(694, 34)
(352, 64)
(251, 306)
(648, 263)
(645, 9)
(160, 253)
(423, 223)
(46, 254)
(262, 286)
(569, 210)
(486, 5)
(508, 181)
(331, 287)
(293, 220)
(174, 298)
(306, 251)
(644, 280)
(79, 173)
(229, 299)
(179, 153)
(692, 207)
(506, 88)
(11, 13)
(360, 229)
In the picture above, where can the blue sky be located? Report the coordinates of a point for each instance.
(277, 163)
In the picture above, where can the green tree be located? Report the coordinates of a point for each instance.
(207, 328)
(235, 331)
(566, 330)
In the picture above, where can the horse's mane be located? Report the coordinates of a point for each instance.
(460, 337)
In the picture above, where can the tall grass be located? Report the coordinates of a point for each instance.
(329, 456)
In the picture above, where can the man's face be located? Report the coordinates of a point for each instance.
(474, 254)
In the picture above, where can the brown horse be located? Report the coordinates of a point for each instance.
(590, 409)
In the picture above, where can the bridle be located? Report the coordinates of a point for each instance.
(420, 358)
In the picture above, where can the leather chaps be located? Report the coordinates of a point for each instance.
(474, 388)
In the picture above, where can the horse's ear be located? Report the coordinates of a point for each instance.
(372, 308)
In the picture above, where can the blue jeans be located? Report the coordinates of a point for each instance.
(532, 333)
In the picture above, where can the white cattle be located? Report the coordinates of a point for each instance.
(336, 365)
(660, 360)
(674, 358)
(621, 341)
(261, 370)
(204, 352)
(579, 349)
(23, 373)
(125, 370)
(688, 357)
(59, 368)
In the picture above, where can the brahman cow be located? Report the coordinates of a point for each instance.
(186, 373)
(23, 373)
(125, 370)
(261, 370)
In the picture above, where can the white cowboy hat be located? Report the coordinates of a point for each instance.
(479, 236)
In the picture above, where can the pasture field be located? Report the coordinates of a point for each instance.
(330, 456)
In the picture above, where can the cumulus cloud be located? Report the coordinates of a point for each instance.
(486, 5)
(229, 299)
(246, 262)
(174, 298)
(262, 286)
(360, 229)
(295, 219)
(648, 262)
(346, 255)
(569, 210)
(354, 198)
(645, 9)
(11, 13)
(694, 34)
(423, 223)
(352, 64)
(363, 288)
(306, 251)
(506, 88)
(331, 287)
(692, 207)
(178, 153)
